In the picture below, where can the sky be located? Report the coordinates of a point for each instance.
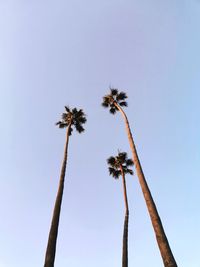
(57, 53)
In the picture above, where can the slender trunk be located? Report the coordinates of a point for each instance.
(51, 246)
(163, 244)
(125, 234)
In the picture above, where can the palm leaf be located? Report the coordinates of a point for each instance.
(111, 170)
(82, 120)
(114, 92)
(106, 100)
(80, 112)
(74, 111)
(79, 128)
(70, 130)
(121, 96)
(115, 173)
(62, 125)
(112, 105)
(111, 161)
(113, 110)
(122, 156)
(67, 109)
(129, 171)
(57, 123)
(105, 104)
(123, 104)
(129, 162)
(64, 116)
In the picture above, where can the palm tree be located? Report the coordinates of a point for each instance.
(119, 166)
(115, 101)
(71, 118)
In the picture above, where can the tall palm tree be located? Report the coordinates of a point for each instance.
(119, 166)
(115, 101)
(71, 118)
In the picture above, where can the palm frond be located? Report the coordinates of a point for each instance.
(115, 173)
(112, 105)
(70, 130)
(80, 113)
(123, 104)
(111, 170)
(129, 162)
(82, 120)
(106, 100)
(67, 109)
(111, 161)
(114, 92)
(105, 104)
(113, 110)
(121, 96)
(122, 157)
(74, 111)
(129, 171)
(78, 118)
(79, 128)
(64, 116)
(62, 125)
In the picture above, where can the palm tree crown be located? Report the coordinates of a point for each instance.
(118, 164)
(72, 117)
(114, 99)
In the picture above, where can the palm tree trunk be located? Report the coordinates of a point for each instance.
(125, 234)
(163, 244)
(51, 246)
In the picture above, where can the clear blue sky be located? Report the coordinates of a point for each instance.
(56, 53)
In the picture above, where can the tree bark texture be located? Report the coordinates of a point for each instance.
(53, 233)
(125, 234)
(125, 242)
(163, 244)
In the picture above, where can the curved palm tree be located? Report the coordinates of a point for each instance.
(71, 118)
(119, 166)
(115, 101)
